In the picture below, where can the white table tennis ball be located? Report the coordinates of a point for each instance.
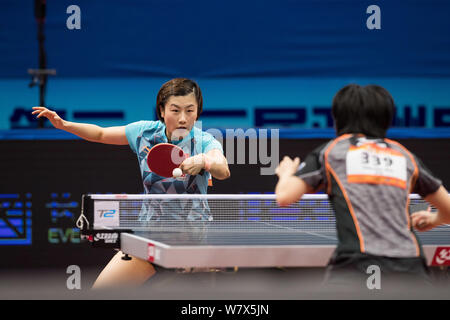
(177, 172)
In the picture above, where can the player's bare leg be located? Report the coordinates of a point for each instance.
(124, 273)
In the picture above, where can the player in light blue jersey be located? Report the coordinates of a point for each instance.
(179, 104)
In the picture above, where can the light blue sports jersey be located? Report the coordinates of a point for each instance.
(142, 136)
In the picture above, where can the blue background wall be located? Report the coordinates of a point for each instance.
(218, 39)
(246, 55)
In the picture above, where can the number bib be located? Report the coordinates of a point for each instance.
(372, 164)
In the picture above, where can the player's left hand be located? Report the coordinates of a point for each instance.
(287, 167)
(193, 165)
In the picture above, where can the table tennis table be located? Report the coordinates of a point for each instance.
(244, 231)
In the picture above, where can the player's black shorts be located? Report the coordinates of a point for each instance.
(358, 270)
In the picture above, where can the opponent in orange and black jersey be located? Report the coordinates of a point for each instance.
(368, 181)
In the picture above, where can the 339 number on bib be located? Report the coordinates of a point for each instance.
(372, 164)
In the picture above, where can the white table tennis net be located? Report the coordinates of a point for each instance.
(221, 213)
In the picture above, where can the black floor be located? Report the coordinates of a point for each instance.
(265, 284)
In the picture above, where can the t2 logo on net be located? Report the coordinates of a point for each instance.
(107, 213)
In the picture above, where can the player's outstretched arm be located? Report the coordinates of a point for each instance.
(89, 132)
(289, 188)
(425, 220)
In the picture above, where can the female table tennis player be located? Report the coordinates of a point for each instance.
(368, 179)
(178, 105)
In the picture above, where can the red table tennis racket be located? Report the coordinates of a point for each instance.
(163, 158)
